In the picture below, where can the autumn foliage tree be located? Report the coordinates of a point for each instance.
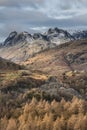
(44, 115)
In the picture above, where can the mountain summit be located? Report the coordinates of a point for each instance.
(55, 35)
(15, 38)
(18, 47)
(58, 36)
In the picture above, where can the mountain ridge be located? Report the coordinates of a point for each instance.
(52, 35)
(18, 47)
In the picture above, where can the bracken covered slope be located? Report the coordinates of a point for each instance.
(24, 50)
(7, 65)
(50, 89)
(66, 57)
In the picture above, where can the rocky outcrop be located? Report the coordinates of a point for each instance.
(40, 36)
(68, 93)
(80, 35)
(78, 58)
(37, 36)
(10, 38)
(23, 37)
(53, 87)
(15, 38)
(58, 36)
(55, 35)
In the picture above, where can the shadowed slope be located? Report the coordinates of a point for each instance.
(7, 65)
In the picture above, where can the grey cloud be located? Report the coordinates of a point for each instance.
(60, 7)
(38, 15)
(19, 3)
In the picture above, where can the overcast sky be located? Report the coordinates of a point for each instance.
(38, 15)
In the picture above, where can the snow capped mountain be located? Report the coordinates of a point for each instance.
(80, 35)
(10, 38)
(56, 36)
(15, 38)
(52, 36)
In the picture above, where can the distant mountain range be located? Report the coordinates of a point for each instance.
(18, 47)
(80, 35)
(55, 35)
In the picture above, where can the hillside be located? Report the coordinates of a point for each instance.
(66, 57)
(7, 65)
(53, 63)
(47, 89)
(52, 71)
(19, 47)
(22, 51)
